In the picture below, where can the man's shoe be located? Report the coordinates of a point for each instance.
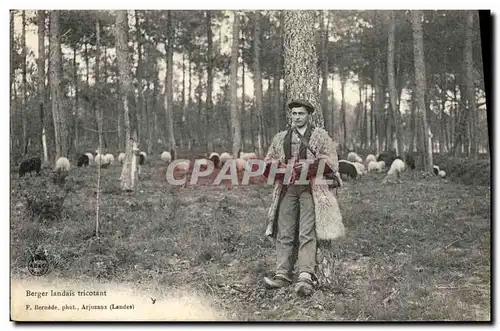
(305, 285)
(276, 282)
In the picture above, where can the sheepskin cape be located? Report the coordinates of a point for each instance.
(328, 217)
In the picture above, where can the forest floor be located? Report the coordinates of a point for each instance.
(418, 250)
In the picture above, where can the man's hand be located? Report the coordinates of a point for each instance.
(297, 167)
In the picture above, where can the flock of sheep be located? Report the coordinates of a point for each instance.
(63, 164)
(354, 166)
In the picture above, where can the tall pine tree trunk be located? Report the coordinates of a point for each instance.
(300, 66)
(391, 76)
(258, 84)
(420, 85)
(24, 93)
(60, 125)
(470, 88)
(98, 105)
(242, 111)
(141, 125)
(129, 174)
(41, 80)
(235, 116)
(209, 101)
(169, 93)
(324, 71)
(343, 110)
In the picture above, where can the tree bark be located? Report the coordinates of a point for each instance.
(60, 127)
(470, 88)
(129, 174)
(142, 127)
(235, 116)
(97, 99)
(258, 84)
(300, 62)
(209, 101)
(24, 95)
(391, 76)
(420, 84)
(41, 80)
(324, 70)
(169, 94)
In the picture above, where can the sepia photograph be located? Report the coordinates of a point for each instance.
(250, 165)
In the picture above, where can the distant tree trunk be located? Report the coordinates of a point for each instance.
(470, 88)
(129, 175)
(142, 127)
(411, 147)
(169, 93)
(12, 56)
(379, 106)
(77, 110)
(24, 93)
(343, 110)
(366, 120)
(442, 123)
(391, 76)
(420, 83)
(209, 101)
(189, 119)
(242, 112)
(197, 124)
(184, 135)
(154, 106)
(41, 80)
(60, 126)
(461, 123)
(278, 104)
(235, 116)
(258, 84)
(97, 100)
(324, 70)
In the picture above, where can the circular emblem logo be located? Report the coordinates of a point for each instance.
(38, 265)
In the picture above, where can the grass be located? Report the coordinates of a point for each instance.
(419, 250)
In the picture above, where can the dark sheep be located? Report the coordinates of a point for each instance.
(388, 157)
(409, 160)
(29, 165)
(347, 168)
(216, 160)
(83, 160)
(436, 169)
(141, 159)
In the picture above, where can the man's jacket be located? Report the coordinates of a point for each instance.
(327, 213)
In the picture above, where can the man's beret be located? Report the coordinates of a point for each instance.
(301, 103)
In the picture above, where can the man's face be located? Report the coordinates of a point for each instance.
(300, 116)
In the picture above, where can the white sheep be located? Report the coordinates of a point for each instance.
(91, 157)
(353, 157)
(62, 163)
(397, 167)
(360, 167)
(248, 156)
(166, 157)
(380, 166)
(121, 157)
(109, 158)
(370, 158)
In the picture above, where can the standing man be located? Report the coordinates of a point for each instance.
(311, 207)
